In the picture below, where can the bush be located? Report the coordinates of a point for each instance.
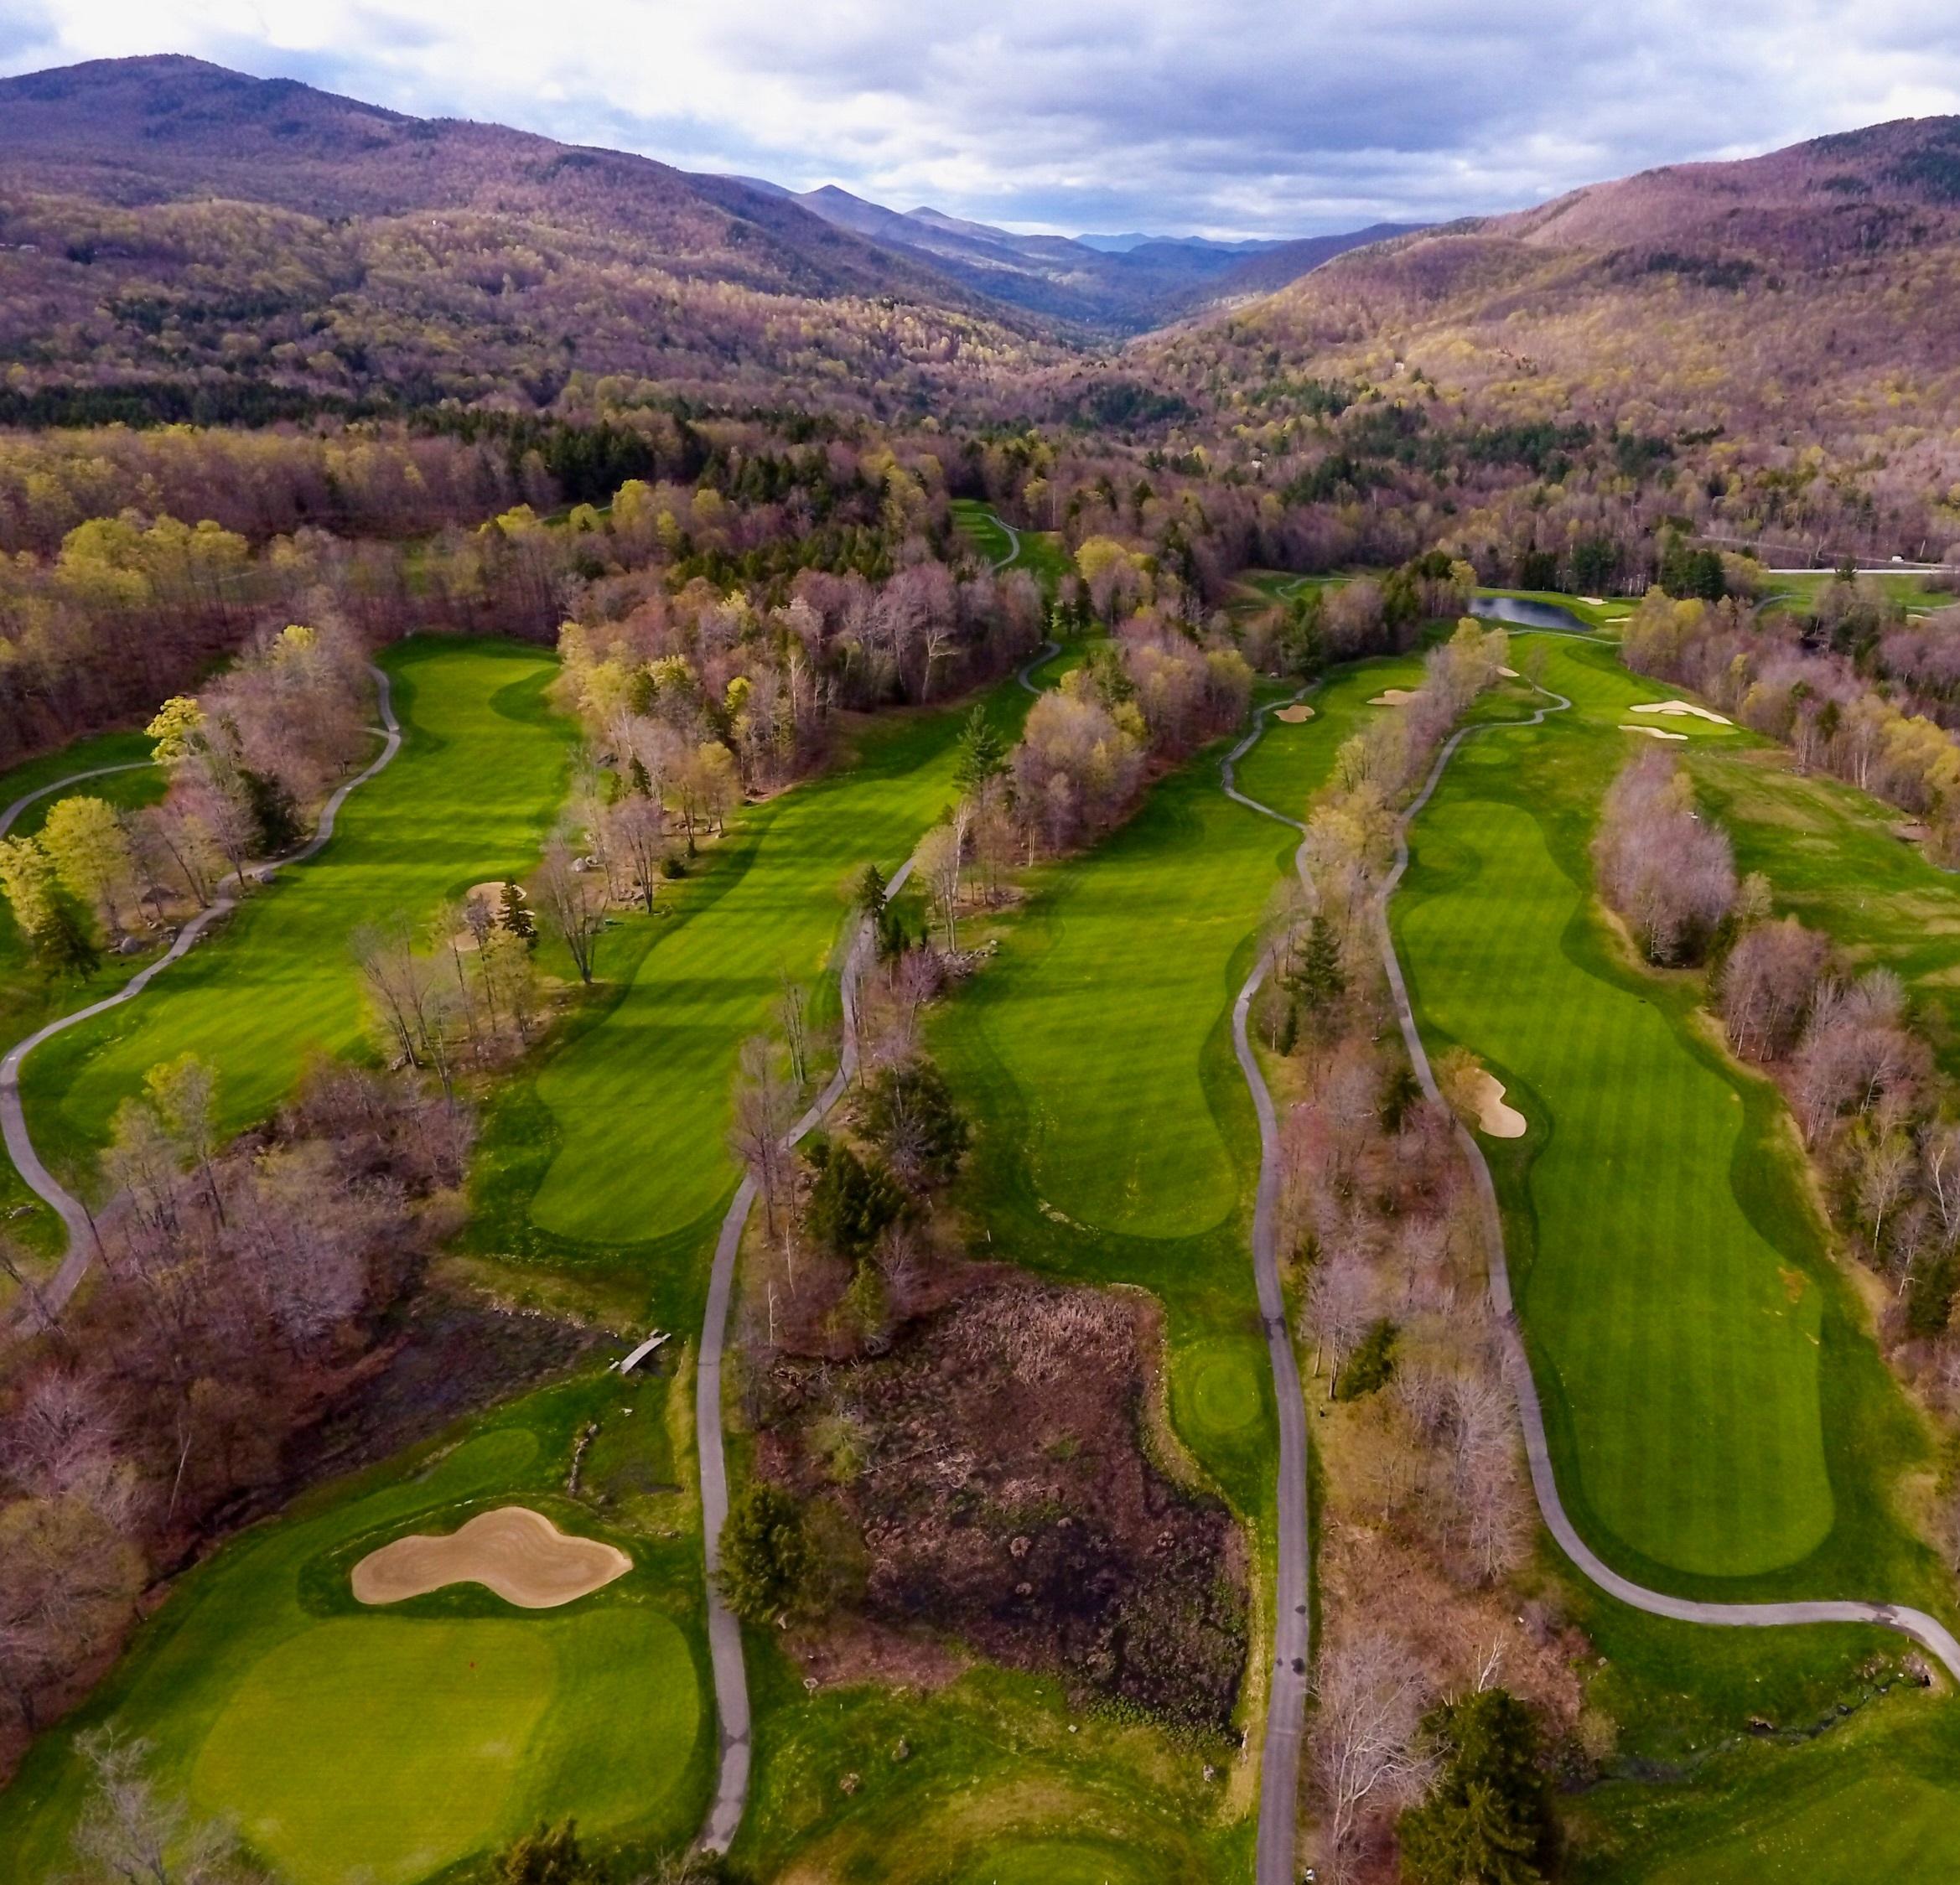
(853, 1200)
(1371, 1365)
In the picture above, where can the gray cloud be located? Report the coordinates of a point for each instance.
(1243, 117)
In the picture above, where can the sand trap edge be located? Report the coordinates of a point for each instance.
(496, 1549)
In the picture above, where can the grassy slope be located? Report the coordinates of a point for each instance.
(479, 776)
(1040, 551)
(1830, 855)
(388, 1744)
(1722, 1425)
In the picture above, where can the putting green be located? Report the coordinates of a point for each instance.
(1219, 1387)
(480, 775)
(642, 1102)
(354, 1744)
(387, 1748)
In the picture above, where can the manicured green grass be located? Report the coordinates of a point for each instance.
(1718, 1415)
(390, 1743)
(479, 777)
(1832, 859)
(1221, 1387)
(1293, 758)
(1117, 977)
(1040, 551)
(637, 1106)
(1690, 1369)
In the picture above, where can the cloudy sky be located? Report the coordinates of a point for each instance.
(1211, 116)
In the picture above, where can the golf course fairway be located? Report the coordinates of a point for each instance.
(1100, 1009)
(1720, 1422)
(641, 1102)
(480, 775)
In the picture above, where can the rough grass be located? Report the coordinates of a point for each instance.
(470, 795)
(1874, 1797)
(1717, 1413)
(994, 1777)
(388, 1744)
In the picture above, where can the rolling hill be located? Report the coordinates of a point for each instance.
(1781, 332)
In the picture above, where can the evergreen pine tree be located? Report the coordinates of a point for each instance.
(1318, 977)
(514, 915)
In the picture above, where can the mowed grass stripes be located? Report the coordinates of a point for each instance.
(642, 1101)
(479, 776)
(1102, 1005)
(1685, 1351)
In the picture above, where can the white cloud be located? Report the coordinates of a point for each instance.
(1231, 117)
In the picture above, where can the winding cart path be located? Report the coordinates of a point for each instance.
(50, 1298)
(1928, 1632)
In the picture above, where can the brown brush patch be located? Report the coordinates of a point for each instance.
(989, 1479)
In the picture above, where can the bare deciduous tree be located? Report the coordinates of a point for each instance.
(1365, 1740)
(573, 903)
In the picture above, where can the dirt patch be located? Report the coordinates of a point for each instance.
(987, 1480)
(1911, 832)
(1794, 1281)
(1392, 697)
(517, 1552)
(1653, 733)
(1294, 714)
(1685, 710)
(1497, 1119)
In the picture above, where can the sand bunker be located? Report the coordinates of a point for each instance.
(1509, 674)
(1294, 714)
(491, 894)
(518, 1553)
(1683, 707)
(1496, 1119)
(1392, 697)
(1912, 833)
(1653, 733)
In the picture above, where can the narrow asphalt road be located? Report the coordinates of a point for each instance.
(82, 1243)
(724, 1627)
(1291, 1666)
(27, 799)
(1928, 1632)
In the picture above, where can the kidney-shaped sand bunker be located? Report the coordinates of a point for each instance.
(518, 1553)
